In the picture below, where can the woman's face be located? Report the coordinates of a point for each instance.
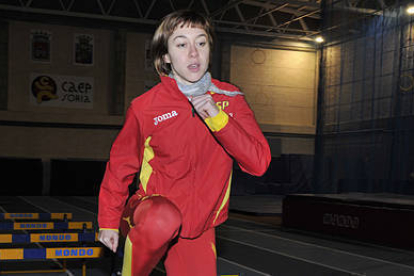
(188, 54)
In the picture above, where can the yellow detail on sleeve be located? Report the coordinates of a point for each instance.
(217, 122)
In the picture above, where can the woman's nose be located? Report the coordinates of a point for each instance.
(193, 51)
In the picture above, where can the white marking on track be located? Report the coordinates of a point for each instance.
(244, 267)
(322, 247)
(291, 256)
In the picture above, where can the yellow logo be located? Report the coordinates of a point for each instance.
(44, 89)
(222, 105)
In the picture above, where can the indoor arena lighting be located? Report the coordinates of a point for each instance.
(410, 10)
(319, 39)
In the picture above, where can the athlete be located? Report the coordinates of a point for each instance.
(182, 137)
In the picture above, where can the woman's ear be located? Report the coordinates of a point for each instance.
(166, 58)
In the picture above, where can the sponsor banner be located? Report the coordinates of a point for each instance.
(11, 254)
(6, 238)
(79, 225)
(54, 237)
(73, 252)
(61, 91)
(61, 216)
(33, 226)
(21, 216)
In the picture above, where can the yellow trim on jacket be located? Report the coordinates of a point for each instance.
(146, 169)
(217, 122)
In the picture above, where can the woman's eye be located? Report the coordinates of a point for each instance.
(202, 43)
(181, 45)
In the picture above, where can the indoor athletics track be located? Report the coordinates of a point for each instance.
(246, 245)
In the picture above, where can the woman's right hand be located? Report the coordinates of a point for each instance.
(109, 238)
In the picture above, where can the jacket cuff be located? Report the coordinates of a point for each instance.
(109, 229)
(217, 122)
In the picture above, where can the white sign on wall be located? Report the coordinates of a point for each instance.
(83, 49)
(40, 45)
(61, 91)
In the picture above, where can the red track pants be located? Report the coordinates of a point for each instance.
(150, 225)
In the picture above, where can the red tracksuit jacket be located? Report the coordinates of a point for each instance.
(181, 157)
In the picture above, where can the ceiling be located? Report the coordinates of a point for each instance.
(292, 19)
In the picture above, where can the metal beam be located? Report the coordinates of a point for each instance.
(263, 33)
(267, 8)
(303, 24)
(297, 18)
(241, 16)
(190, 4)
(266, 13)
(70, 5)
(297, 3)
(62, 5)
(266, 5)
(78, 15)
(272, 19)
(101, 7)
(232, 23)
(150, 8)
(111, 6)
(138, 8)
(286, 9)
(229, 5)
(205, 7)
(172, 5)
(295, 12)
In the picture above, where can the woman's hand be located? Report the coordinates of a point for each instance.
(109, 238)
(205, 106)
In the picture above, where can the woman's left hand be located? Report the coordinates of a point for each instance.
(205, 106)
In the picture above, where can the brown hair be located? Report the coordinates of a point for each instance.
(178, 19)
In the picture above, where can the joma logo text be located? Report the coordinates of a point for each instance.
(164, 117)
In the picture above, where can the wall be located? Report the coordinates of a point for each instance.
(140, 73)
(38, 131)
(78, 138)
(281, 87)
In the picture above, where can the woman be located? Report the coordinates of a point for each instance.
(182, 135)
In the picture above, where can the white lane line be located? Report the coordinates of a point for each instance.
(244, 267)
(56, 261)
(88, 200)
(28, 201)
(253, 222)
(293, 257)
(321, 247)
(340, 239)
(60, 202)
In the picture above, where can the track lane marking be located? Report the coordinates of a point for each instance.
(291, 256)
(321, 247)
(244, 267)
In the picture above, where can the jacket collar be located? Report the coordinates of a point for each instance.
(171, 87)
